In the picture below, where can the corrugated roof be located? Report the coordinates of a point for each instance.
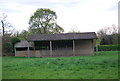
(23, 43)
(63, 36)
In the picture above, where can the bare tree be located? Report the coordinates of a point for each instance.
(74, 30)
(6, 30)
(108, 35)
(6, 27)
(108, 31)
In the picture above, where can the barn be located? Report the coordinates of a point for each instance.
(56, 45)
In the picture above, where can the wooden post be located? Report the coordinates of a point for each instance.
(93, 46)
(15, 51)
(28, 49)
(96, 47)
(73, 48)
(51, 48)
(34, 48)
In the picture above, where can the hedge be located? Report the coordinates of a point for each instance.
(108, 48)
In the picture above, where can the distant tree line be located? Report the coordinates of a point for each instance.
(108, 35)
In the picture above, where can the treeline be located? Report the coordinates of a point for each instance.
(108, 36)
(108, 39)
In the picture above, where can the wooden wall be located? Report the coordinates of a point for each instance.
(82, 48)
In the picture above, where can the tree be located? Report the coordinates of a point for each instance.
(43, 21)
(14, 40)
(5, 31)
(74, 30)
(108, 35)
(24, 35)
(8, 47)
(108, 31)
(6, 26)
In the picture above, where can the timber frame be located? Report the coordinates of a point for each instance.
(55, 45)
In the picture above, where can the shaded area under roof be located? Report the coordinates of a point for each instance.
(63, 36)
(23, 43)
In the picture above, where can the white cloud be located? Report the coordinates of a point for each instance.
(87, 15)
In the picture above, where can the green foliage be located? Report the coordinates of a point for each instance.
(9, 44)
(109, 39)
(108, 47)
(14, 40)
(109, 35)
(43, 21)
(116, 37)
(8, 47)
(74, 30)
(24, 35)
(102, 66)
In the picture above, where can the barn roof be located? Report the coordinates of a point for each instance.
(63, 36)
(23, 43)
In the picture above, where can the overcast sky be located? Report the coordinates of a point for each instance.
(84, 15)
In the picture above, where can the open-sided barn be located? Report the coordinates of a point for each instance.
(54, 45)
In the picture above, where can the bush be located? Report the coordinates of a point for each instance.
(8, 47)
(108, 48)
(14, 40)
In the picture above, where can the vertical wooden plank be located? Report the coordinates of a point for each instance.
(34, 49)
(28, 49)
(73, 48)
(96, 47)
(51, 48)
(15, 51)
(93, 46)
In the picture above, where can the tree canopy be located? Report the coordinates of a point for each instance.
(24, 35)
(74, 30)
(108, 35)
(43, 21)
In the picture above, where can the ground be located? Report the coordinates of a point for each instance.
(104, 65)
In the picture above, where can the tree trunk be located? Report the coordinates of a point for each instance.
(3, 28)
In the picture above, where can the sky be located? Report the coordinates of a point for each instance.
(81, 15)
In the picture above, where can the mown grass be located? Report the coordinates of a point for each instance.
(101, 66)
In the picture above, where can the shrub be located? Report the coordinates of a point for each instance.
(108, 48)
(14, 40)
(8, 47)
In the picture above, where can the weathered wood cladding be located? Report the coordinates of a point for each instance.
(25, 53)
(61, 48)
(84, 47)
(53, 45)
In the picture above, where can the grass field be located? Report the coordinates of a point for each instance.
(102, 66)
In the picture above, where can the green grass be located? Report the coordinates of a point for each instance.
(0, 67)
(101, 66)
